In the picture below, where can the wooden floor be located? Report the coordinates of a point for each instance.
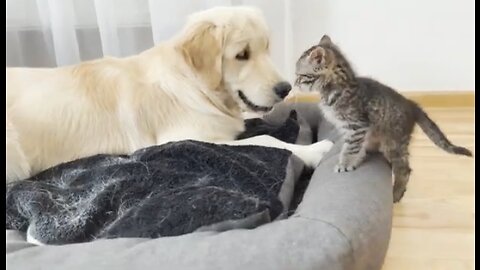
(433, 227)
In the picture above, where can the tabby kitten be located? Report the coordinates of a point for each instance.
(370, 115)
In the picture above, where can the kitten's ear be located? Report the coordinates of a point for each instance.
(325, 40)
(317, 54)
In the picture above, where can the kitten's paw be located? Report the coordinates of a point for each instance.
(313, 155)
(343, 168)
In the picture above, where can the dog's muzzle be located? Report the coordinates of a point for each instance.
(252, 106)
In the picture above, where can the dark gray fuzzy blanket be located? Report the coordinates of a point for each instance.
(164, 190)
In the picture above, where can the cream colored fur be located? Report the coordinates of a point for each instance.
(185, 88)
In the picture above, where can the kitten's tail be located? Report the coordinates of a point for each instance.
(436, 135)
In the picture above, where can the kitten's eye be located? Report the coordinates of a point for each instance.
(244, 55)
(306, 79)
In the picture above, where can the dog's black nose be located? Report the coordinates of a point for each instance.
(282, 89)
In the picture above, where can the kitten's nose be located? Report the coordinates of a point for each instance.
(282, 89)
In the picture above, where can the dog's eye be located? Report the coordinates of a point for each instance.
(244, 55)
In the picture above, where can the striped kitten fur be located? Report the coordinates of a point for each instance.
(372, 116)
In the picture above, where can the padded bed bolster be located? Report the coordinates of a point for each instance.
(343, 223)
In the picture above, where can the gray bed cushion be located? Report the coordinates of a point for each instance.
(343, 222)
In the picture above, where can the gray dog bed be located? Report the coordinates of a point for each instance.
(342, 222)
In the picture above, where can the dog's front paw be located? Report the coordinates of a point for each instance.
(323, 146)
(315, 153)
(343, 168)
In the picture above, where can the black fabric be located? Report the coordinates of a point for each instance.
(288, 132)
(164, 190)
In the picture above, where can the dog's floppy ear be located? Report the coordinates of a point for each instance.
(202, 48)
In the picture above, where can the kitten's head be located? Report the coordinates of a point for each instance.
(323, 68)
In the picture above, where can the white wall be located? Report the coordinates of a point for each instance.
(426, 45)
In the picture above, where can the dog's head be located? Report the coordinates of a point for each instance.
(229, 48)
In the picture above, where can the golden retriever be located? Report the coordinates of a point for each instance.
(193, 86)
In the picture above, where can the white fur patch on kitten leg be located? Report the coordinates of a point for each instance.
(348, 163)
(31, 239)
